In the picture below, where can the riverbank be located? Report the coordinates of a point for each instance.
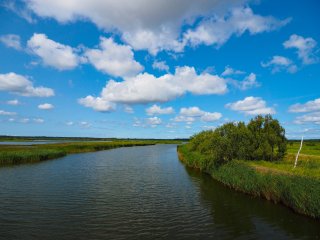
(19, 154)
(298, 189)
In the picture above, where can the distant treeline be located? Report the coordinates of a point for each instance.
(37, 138)
(263, 138)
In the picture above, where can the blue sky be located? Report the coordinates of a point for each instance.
(165, 69)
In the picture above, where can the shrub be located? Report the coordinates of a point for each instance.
(263, 138)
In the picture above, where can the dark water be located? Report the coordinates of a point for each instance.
(134, 193)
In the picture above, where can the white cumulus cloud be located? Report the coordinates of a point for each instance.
(146, 88)
(309, 106)
(211, 117)
(279, 63)
(216, 31)
(251, 106)
(249, 81)
(21, 85)
(157, 110)
(97, 103)
(157, 25)
(229, 71)
(153, 121)
(53, 54)
(45, 106)
(113, 58)
(191, 114)
(309, 118)
(160, 65)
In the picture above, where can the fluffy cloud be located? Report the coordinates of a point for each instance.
(11, 41)
(97, 103)
(52, 53)
(153, 121)
(157, 110)
(248, 82)
(251, 106)
(211, 117)
(146, 88)
(113, 58)
(156, 25)
(309, 106)
(305, 48)
(228, 71)
(279, 63)
(5, 113)
(216, 31)
(18, 84)
(147, 122)
(186, 119)
(309, 118)
(160, 65)
(45, 106)
(13, 102)
(190, 114)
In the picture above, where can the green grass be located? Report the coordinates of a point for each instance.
(308, 148)
(83, 139)
(10, 154)
(297, 188)
(308, 161)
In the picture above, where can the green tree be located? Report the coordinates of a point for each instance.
(263, 138)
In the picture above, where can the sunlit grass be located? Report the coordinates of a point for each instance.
(308, 161)
(36, 153)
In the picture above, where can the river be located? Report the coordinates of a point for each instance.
(135, 193)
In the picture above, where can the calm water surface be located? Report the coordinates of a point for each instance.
(134, 193)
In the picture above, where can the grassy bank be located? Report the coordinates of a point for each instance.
(297, 188)
(13, 154)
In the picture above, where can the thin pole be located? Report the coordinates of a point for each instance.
(296, 161)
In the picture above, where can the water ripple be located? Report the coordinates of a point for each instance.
(133, 193)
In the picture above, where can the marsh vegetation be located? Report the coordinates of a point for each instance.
(259, 162)
(13, 154)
